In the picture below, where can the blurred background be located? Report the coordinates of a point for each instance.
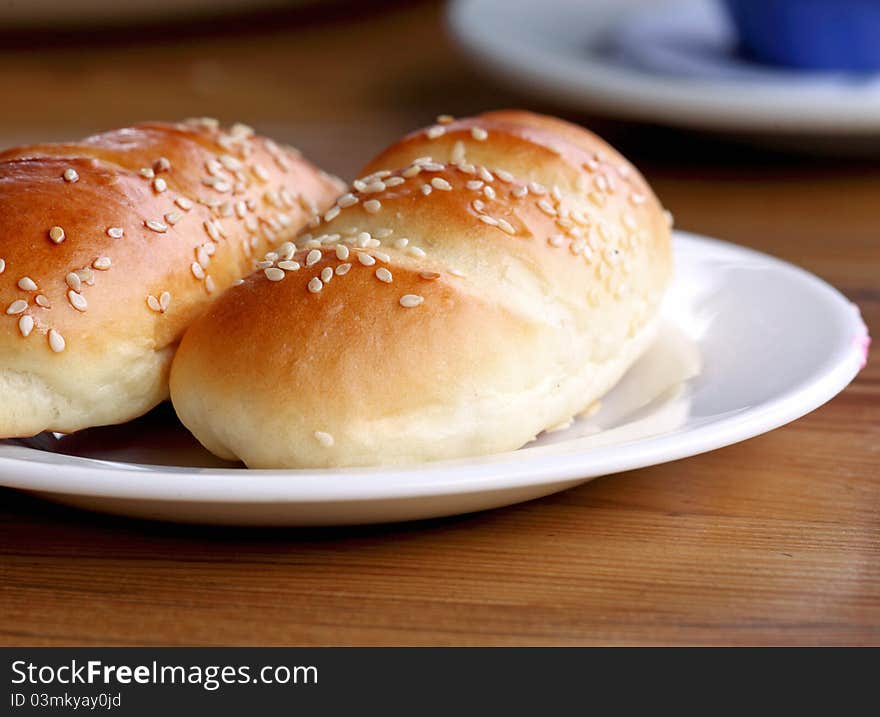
(777, 152)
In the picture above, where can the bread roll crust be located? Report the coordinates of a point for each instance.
(105, 305)
(508, 310)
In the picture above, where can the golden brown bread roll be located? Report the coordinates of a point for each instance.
(110, 246)
(488, 279)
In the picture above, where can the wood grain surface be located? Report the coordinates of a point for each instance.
(772, 541)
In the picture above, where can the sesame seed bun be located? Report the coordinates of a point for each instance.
(428, 317)
(109, 247)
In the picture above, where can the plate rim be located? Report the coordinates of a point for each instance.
(594, 84)
(25, 471)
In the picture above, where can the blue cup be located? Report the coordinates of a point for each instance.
(836, 35)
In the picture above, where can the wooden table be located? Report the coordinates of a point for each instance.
(775, 540)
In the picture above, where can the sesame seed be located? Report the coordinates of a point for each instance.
(212, 229)
(102, 263)
(486, 219)
(274, 274)
(600, 182)
(184, 203)
(423, 160)
(164, 300)
(262, 264)
(637, 198)
(146, 173)
(432, 167)
(326, 274)
(417, 252)
(347, 200)
(536, 188)
(478, 205)
(485, 175)
(442, 184)
(408, 301)
(230, 162)
(324, 438)
(331, 213)
(159, 185)
(86, 275)
(506, 226)
(374, 187)
(26, 325)
(504, 176)
(382, 274)
(2, 265)
(411, 171)
(42, 301)
(27, 284)
(435, 131)
(341, 252)
(197, 270)
(520, 191)
(556, 240)
(597, 199)
(489, 192)
(288, 265)
(445, 119)
(70, 175)
(456, 272)
(343, 269)
(173, 217)
(225, 210)
(313, 257)
(546, 207)
(429, 275)
(209, 284)
(17, 307)
(383, 233)
(156, 226)
(426, 189)
(56, 341)
(365, 259)
(77, 300)
(372, 206)
(466, 168)
(162, 165)
(153, 303)
(479, 134)
(315, 285)
(458, 152)
(401, 243)
(382, 256)
(56, 234)
(394, 181)
(381, 174)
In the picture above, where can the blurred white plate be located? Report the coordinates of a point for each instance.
(747, 344)
(676, 67)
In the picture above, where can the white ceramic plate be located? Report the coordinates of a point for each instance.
(747, 344)
(666, 61)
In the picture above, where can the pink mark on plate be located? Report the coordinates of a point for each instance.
(862, 343)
